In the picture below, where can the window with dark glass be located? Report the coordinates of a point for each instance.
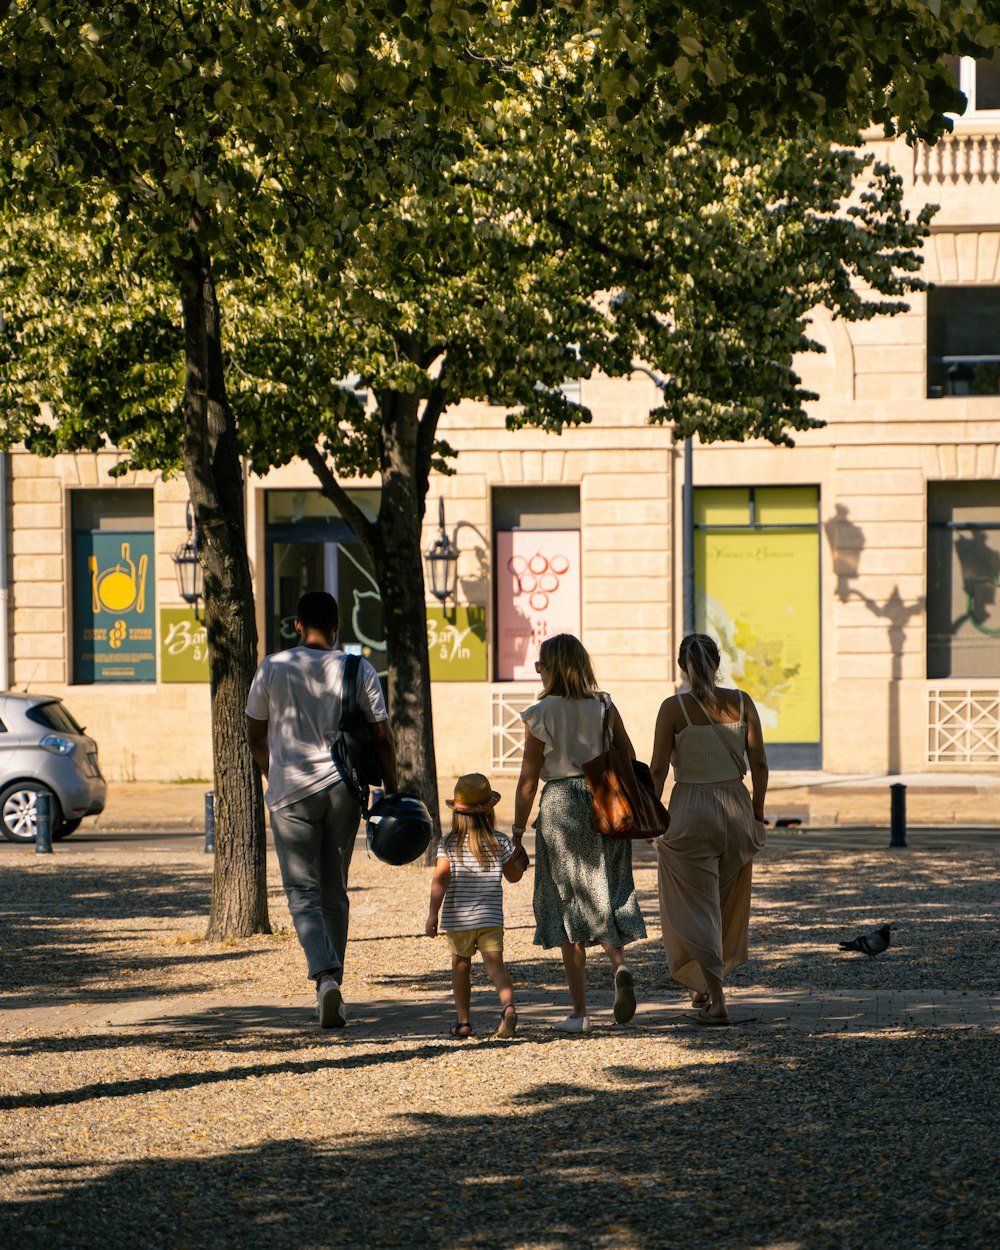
(979, 82)
(963, 340)
(963, 579)
(54, 716)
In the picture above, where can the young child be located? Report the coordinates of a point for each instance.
(470, 862)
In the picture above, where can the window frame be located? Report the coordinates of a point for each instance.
(949, 360)
(966, 82)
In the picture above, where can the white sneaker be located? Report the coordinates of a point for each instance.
(573, 1024)
(330, 1006)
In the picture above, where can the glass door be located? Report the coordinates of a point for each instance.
(323, 556)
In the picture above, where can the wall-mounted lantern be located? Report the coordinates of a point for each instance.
(441, 559)
(187, 563)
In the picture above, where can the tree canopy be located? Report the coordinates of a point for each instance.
(449, 198)
(528, 266)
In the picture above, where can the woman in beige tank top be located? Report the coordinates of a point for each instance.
(704, 859)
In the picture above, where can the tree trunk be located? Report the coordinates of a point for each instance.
(215, 482)
(393, 543)
(399, 570)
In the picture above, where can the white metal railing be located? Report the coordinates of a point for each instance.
(960, 157)
(963, 725)
(507, 729)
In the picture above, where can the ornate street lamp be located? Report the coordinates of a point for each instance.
(441, 559)
(187, 564)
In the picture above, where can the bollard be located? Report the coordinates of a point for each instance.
(209, 821)
(897, 809)
(43, 823)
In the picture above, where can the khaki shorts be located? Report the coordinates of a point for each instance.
(466, 942)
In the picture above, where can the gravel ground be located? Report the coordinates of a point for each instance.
(289, 1138)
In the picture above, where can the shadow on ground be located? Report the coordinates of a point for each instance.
(53, 921)
(729, 1147)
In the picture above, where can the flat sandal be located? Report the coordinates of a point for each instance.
(508, 1022)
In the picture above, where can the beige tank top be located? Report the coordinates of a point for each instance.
(701, 755)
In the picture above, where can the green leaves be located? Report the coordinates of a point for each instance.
(92, 345)
(430, 194)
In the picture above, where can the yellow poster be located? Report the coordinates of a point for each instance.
(758, 594)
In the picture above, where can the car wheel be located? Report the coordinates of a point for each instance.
(17, 810)
(66, 828)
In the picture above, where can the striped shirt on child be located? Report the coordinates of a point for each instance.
(474, 898)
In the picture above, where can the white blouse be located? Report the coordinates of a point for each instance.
(571, 730)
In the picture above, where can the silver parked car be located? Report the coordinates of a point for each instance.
(44, 750)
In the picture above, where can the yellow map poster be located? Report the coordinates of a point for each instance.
(758, 594)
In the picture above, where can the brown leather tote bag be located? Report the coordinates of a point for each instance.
(625, 803)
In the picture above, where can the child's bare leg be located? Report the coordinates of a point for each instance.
(461, 986)
(497, 972)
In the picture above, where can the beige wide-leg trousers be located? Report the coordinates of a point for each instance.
(705, 868)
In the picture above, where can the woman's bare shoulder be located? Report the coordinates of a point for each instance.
(671, 709)
(727, 701)
(731, 699)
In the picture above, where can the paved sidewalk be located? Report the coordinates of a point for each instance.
(819, 800)
(426, 1017)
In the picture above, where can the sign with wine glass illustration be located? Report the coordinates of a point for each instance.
(538, 595)
(114, 617)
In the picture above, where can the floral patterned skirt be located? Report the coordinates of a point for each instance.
(584, 890)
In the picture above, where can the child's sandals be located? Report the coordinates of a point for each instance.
(508, 1022)
(461, 1029)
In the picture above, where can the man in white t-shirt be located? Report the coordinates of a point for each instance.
(293, 713)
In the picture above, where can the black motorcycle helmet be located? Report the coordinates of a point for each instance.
(399, 829)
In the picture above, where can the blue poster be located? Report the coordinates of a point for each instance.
(114, 618)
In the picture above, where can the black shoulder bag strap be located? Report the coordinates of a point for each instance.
(349, 693)
(346, 729)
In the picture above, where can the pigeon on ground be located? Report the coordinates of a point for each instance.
(870, 944)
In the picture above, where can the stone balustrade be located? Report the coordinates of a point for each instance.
(961, 157)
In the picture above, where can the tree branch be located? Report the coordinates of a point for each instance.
(363, 529)
(434, 405)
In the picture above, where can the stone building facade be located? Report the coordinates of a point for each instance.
(852, 580)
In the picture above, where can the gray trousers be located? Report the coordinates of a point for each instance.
(314, 839)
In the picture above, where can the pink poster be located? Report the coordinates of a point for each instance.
(538, 594)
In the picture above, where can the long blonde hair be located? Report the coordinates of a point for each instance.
(569, 669)
(479, 830)
(699, 657)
